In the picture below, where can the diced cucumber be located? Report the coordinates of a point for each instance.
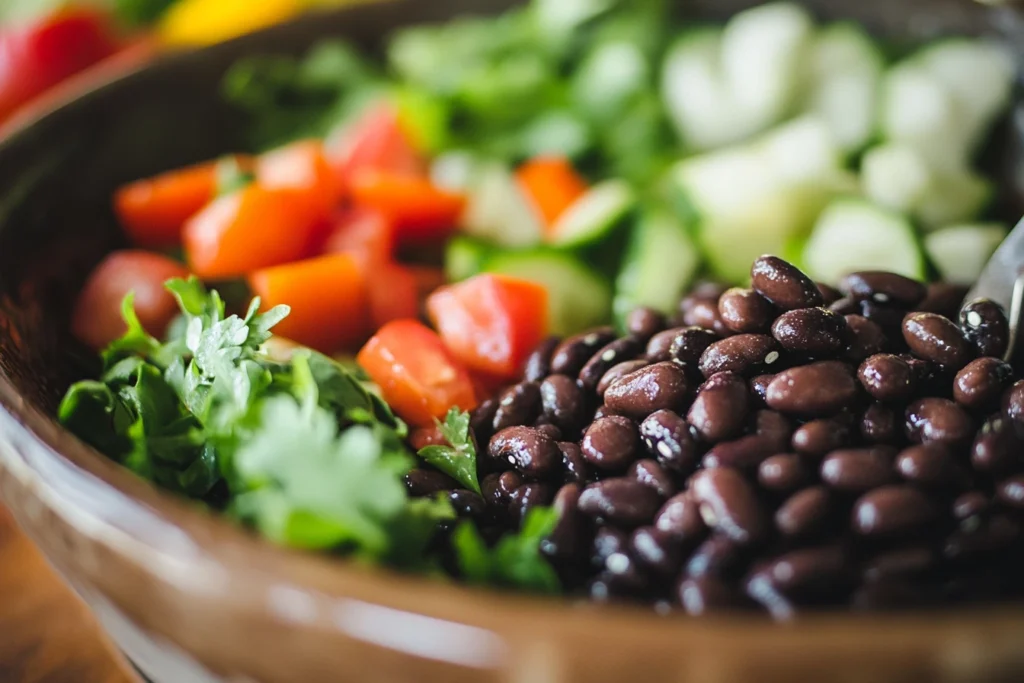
(453, 170)
(593, 215)
(498, 212)
(918, 109)
(660, 262)
(955, 196)
(612, 75)
(845, 72)
(577, 296)
(464, 257)
(805, 151)
(555, 131)
(696, 96)
(557, 19)
(853, 234)
(960, 252)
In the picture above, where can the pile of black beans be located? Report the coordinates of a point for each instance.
(782, 447)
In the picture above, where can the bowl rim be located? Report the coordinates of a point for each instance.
(51, 464)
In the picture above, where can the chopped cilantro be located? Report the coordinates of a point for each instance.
(458, 458)
(515, 561)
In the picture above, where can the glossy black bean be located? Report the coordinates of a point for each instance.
(972, 504)
(719, 556)
(608, 356)
(564, 404)
(1013, 402)
(744, 310)
(662, 386)
(729, 505)
(937, 339)
(939, 420)
(420, 482)
(997, 448)
(991, 538)
(844, 306)
(481, 420)
(745, 453)
(549, 430)
(805, 513)
(704, 313)
(568, 538)
(680, 516)
(611, 443)
(883, 287)
(529, 496)
(864, 338)
(815, 389)
(650, 473)
(783, 284)
(855, 470)
(984, 324)
(943, 298)
(617, 372)
(706, 595)
(881, 424)
(517, 405)
(720, 408)
(621, 502)
(818, 437)
(900, 562)
(887, 317)
(886, 377)
(775, 427)
(815, 331)
(531, 452)
(668, 438)
(467, 503)
(892, 510)
(576, 469)
(497, 488)
(569, 356)
(783, 472)
(538, 363)
(805, 573)
(644, 322)
(981, 383)
(929, 464)
(744, 354)
(607, 542)
(689, 344)
(828, 293)
(758, 386)
(657, 552)
(660, 344)
(1010, 492)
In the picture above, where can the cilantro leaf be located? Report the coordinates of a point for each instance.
(458, 458)
(515, 561)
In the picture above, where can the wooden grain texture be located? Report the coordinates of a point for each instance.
(46, 633)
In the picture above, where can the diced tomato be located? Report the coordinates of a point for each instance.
(376, 141)
(249, 229)
(421, 437)
(39, 55)
(552, 185)
(364, 232)
(97, 321)
(328, 298)
(300, 166)
(490, 322)
(417, 375)
(154, 210)
(421, 212)
(394, 293)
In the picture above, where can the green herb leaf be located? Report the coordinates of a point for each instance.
(458, 458)
(515, 561)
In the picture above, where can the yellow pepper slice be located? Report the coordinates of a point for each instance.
(201, 22)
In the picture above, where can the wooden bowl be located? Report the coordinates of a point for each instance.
(190, 597)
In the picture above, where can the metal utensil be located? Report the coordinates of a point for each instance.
(1002, 281)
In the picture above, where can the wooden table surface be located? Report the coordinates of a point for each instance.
(46, 633)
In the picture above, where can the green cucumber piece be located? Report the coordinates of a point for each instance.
(591, 217)
(661, 260)
(854, 234)
(960, 252)
(464, 257)
(612, 75)
(918, 109)
(578, 297)
(497, 210)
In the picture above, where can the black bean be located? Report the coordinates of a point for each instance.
(607, 542)
(783, 284)
(529, 496)
(611, 443)
(900, 562)
(705, 595)
(467, 503)
(617, 372)
(718, 556)
(775, 427)
(818, 437)
(745, 453)
(783, 472)
(720, 409)
(419, 482)
(881, 423)
(704, 313)
(891, 510)
(656, 387)
(844, 306)
(569, 357)
(816, 389)
(517, 405)
(1010, 492)
(938, 419)
(575, 465)
(981, 383)
(865, 338)
(680, 516)
(622, 502)
(997, 447)
(929, 464)
(804, 573)
(883, 287)
(886, 377)
(937, 339)
(828, 293)
(538, 363)
(805, 513)
(889, 318)
(644, 322)
(895, 594)
(608, 356)
(1013, 402)
(972, 504)
(744, 310)
(656, 551)
(816, 331)
(481, 420)
(689, 344)
(943, 298)
(758, 386)
(564, 404)
(529, 451)
(745, 354)
(650, 473)
(985, 326)
(668, 438)
(992, 536)
(549, 430)
(603, 411)
(660, 344)
(497, 488)
(856, 470)
(567, 539)
(729, 504)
